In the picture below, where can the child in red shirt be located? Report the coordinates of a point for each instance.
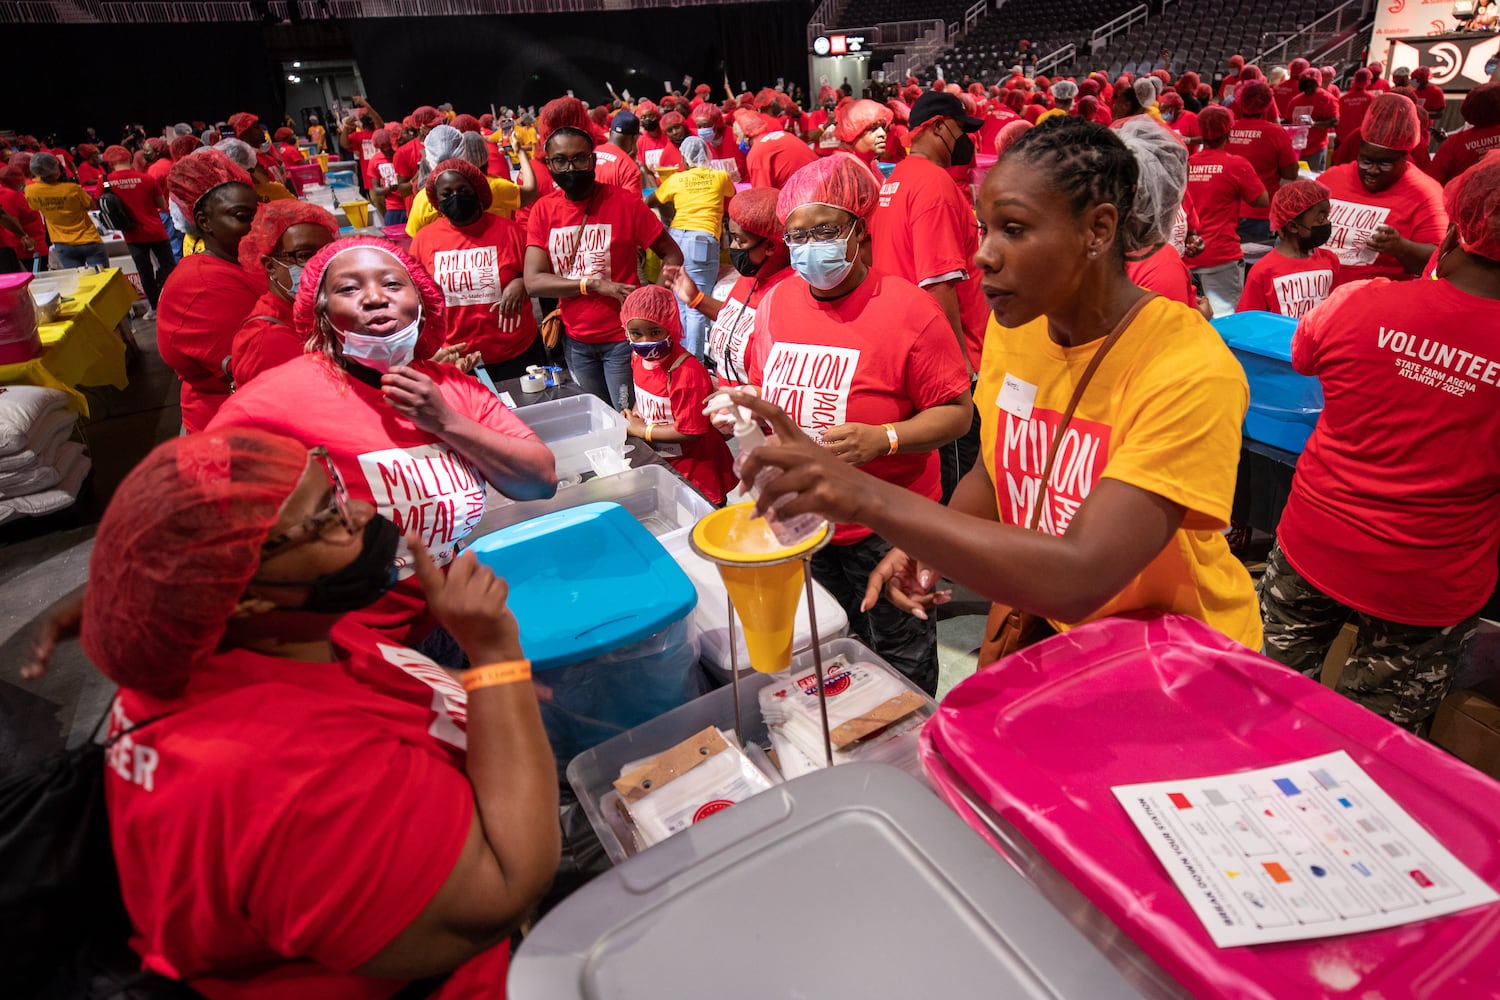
(1299, 273)
(670, 388)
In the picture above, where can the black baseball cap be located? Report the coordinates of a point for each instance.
(625, 123)
(940, 104)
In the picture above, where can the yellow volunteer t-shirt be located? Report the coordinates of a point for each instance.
(507, 200)
(525, 137)
(698, 195)
(65, 207)
(1163, 414)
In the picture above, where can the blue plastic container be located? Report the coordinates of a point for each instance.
(1284, 406)
(604, 615)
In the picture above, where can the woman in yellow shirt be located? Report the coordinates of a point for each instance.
(697, 192)
(1132, 513)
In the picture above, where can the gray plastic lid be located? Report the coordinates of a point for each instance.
(850, 882)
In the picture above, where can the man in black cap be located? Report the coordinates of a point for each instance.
(924, 231)
(615, 159)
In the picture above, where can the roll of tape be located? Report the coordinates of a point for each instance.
(533, 383)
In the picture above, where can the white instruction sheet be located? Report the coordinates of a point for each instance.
(1309, 849)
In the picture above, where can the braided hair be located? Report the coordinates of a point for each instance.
(1086, 162)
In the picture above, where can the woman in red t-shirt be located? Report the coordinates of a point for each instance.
(671, 386)
(478, 259)
(1299, 273)
(312, 784)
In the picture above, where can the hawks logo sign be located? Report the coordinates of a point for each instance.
(707, 809)
(836, 683)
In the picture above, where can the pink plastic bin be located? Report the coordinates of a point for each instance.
(1034, 743)
(302, 174)
(19, 339)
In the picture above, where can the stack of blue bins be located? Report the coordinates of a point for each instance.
(1284, 406)
(604, 617)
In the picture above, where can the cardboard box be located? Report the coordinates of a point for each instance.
(1467, 725)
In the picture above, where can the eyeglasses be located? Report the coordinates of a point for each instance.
(566, 164)
(299, 257)
(314, 526)
(821, 234)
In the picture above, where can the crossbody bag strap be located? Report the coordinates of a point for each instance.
(1083, 383)
(578, 235)
(675, 365)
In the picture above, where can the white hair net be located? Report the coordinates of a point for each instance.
(694, 152)
(476, 150)
(1162, 160)
(444, 142)
(182, 128)
(1146, 89)
(1065, 90)
(239, 153)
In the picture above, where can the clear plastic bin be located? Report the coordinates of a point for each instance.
(572, 428)
(653, 494)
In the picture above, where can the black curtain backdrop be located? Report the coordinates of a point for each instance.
(177, 72)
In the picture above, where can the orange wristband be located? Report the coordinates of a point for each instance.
(696, 299)
(494, 674)
(890, 435)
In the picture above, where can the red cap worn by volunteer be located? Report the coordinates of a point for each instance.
(193, 177)
(470, 173)
(434, 304)
(1481, 106)
(856, 118)
(427, 117)
(178, 545)
(1391, 123)
(1214, 122)
(656, 305)
(839, 181)
(272, 221)
(1292, 199)
(1472, 200)
(284, 134)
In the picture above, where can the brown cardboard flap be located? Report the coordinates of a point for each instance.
(1467, 725)
(670, 764)
(876, 719)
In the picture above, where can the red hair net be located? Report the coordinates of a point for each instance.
(1312, 75)
(1011, 131)
(764, 98)
(910, 94)
(1170, 101)
(645, 108)
(669, 102)
(283, 134)
(195, 176)
(855, 118)
(565, 112)
(840, 181)
(1422, 73)
(465, 123)
(1472, 200)
(1237, 61)
(1251, 73)
(1253, 98)
(178, 545)
(654, 303)
(183, 145)
(158, 145)
(755, 211)
(1481, 107)
(13, 176)
(670, 119)
(242, 122)
(708, 116)
(1205, 93)
(470, 173)
(751, 123)
(116, 154)
(86, 149)
(703, 88)
(427, 116)
(1089, 88)
(272, 221)
(434, 304)
(1376, 68)
(1391, 122)
(1292, 199)
(486, 120)
(394, 130)
(1015, 100)
(1087, 109)
(381, 140)
(1362, 79)
(1187, 84)
(1297, 68)
(1215, 122)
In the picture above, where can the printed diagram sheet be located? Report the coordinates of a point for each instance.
(1309, 849)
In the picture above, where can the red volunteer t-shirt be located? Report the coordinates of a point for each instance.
(158, 171)
(612, 165)
(405, 161)
(90, 178)
(923, 230)
(1285, 94)
(361, 146)
(1462, 150)
(383, 172)
(1291, 286)
(1413, 205)
(667, 396)
(499, 164)
(15, 203)
(1220, 182)
(266, 340)
(1317, 106)
(733, 331)
(412, 477)
(1352, 108)
(291, 156)
(774, 157)
(313, 808)
(726, 156)
(657, 152)
(618, 224)
(472, 265)
(1269, 149)
(138, 192)
(203, 304)
(1186, 124)
(878, 355)
(1165, 274)
(369, 167)
(1401, 471)
(1431, 97)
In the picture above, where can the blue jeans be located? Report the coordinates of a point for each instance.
(81, 254)
(152, 277)
(393, 217)
(173, 236)
(700, 259)
(602, 369)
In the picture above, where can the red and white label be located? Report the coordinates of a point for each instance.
(1298, 293)
(811, 383)
(591, 247)
(468, 277)
(430, 489)
(1353, 224)
(1021, 448)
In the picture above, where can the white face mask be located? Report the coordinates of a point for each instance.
(384, 353)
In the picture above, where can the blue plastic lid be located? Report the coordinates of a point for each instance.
(586, 581)
(1265, 333)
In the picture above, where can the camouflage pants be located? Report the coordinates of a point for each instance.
(1401, 672)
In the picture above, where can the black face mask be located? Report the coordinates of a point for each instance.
(963, 151)
(365, 580)
(740, 258)
(574, 183)
(650, 124)
(1318, 235)
(459, 206)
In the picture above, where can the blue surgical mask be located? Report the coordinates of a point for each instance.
(706, 134)
(822, 264)
(294, 280)
(651, 350)
(384, 353)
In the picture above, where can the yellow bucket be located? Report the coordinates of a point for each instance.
(323, 162)
(358, 212)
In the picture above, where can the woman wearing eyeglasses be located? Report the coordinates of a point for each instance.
(582, 239)
(417, 439)
(298, 807)
(866, 364)
(283, 238)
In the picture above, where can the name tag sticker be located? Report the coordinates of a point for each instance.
(1017, 397)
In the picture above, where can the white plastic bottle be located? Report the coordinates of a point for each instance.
(747, 437)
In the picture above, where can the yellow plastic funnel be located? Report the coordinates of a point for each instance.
(764, 578)
(357, 211)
